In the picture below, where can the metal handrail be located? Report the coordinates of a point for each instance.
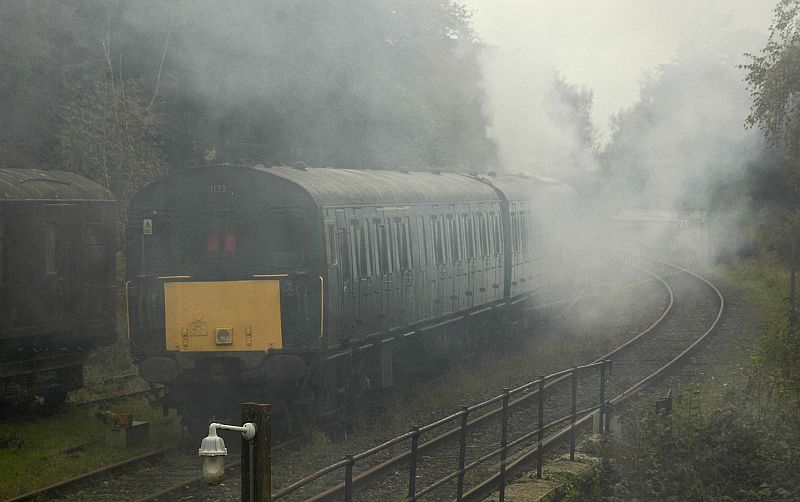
(464, 414)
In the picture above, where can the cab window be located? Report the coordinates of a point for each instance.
(284, 239)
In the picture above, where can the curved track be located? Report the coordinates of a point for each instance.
(693, 309)
(692, 312)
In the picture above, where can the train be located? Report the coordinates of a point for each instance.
(58, 246)
(306, 286)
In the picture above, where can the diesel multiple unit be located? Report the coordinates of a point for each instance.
(304, 285)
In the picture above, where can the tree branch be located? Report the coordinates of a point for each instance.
(160, 69)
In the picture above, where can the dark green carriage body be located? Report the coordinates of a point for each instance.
(357, 253)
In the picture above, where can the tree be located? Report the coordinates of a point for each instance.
(773, 79)
(107, 136)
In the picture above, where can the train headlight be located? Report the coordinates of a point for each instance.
(223, 336)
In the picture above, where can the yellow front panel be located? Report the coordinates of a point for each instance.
(222, 316)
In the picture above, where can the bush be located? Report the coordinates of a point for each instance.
(733, 453)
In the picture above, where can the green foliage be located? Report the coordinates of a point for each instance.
(773, 78)
(681, 139)
(576, 112)
(38, 451)
(694, 455)
(741, 445)
(776, 370)
(109, 137)
(361, 83)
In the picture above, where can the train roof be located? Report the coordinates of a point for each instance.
(342, 187)
(528, 188)
(36, 184)
(329, 187)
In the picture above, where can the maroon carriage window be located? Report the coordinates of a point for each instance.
(230, 242)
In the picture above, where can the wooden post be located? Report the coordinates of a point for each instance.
(257, 475)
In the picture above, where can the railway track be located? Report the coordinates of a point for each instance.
(693, 310)
(163, 474)
(168, 474)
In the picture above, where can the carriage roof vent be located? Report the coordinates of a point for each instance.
(299, 165)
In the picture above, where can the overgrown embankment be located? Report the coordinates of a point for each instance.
(742, 443)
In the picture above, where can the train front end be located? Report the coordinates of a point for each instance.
(224, 297)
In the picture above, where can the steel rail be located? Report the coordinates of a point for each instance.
(385, 466)
(50, 489)
(488, 485)
(381, 468)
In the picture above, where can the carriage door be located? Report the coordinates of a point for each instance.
(402, 228)
(60, 236)
(332, 297)
(346, 275)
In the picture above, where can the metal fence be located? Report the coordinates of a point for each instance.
(463, 418)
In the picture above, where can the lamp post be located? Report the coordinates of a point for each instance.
(256, 461)
(213, 452)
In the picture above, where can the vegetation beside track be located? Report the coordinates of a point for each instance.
(734, 436)
(39, 451)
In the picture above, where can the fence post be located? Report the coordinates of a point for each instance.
(540, 444)
(602, 397)
(412, 468)
(503, 445)
(462, 452)
(348, 479)
(257, 455)
(573, 412)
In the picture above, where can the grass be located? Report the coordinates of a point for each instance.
(727, 439)
(37, 451)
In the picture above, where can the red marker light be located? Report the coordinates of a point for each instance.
(230, 242)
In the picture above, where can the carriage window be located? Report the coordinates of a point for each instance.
(404, 245)
(369, 247)
(483, 235)
(362, 250)
(455, 239)
(469, 235)
(331, 244)
(95, 245)
(498, 235)
(513, 232)
(50, 265)
(524, 229)
(384, 249)
(422, 242)
(490, 233)
(438, 242)
(344, 255)
(393, 239)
